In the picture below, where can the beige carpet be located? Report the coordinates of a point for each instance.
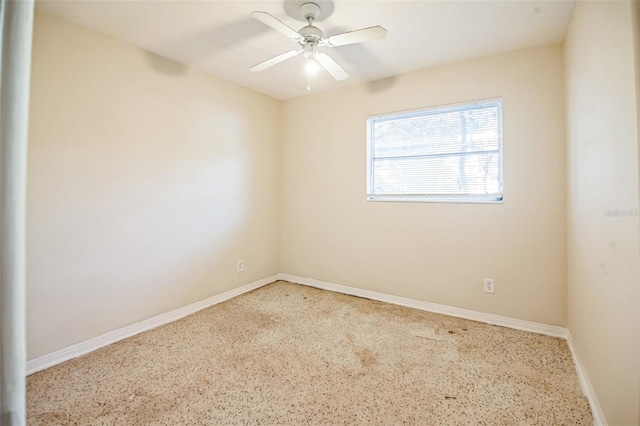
(288, 354)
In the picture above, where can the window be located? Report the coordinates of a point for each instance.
(450, 153)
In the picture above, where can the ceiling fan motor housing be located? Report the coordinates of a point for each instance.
(311, 34)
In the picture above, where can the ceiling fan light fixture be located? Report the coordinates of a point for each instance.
(310, 38)
(310, 50)
(311, 66)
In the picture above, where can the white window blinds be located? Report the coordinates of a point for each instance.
(451, 153)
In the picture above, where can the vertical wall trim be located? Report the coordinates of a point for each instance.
(15, 70)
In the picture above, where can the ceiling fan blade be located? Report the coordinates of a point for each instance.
(332, 66)
(357, 36)
(276, 24)
(275, 60)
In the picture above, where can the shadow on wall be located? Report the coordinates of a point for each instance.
(381, 85)
(166, 66)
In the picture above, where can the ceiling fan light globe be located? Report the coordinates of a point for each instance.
(311, 66)
(309, 50)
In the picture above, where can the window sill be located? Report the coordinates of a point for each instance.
(465, 199)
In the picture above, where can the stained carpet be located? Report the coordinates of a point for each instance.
(287, 354)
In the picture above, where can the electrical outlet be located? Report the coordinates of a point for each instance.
(240, 265)
(489, 285)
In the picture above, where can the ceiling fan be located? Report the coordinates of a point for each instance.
(311, 38)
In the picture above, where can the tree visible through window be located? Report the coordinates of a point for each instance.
(451, 153)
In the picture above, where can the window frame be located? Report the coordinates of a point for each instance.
(436, 198)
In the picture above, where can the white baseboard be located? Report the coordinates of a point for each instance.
(518, 324)
(91, 345)
(587, 388)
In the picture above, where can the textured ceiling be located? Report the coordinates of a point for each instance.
(221, 38)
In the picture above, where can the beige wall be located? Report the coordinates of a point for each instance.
(438, 252)
(147, 181)
(603, 256)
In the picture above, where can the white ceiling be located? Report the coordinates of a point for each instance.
(220, 37)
